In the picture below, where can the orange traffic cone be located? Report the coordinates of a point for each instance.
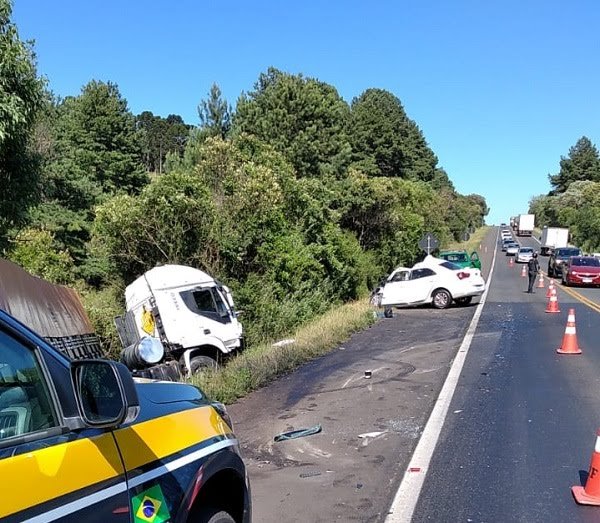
(590, 494)
(569, 343)
(540, 284)
(523, 272)
(553, 303)
(511, 261)
(551, 289)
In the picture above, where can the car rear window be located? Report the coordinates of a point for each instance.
(451, 266)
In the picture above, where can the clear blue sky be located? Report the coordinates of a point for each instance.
(500, 89)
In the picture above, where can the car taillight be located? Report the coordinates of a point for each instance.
(462, 275)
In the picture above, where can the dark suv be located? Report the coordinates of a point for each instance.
(559, 258)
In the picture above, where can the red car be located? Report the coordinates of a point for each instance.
(581, 270)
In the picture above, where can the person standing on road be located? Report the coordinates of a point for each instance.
(533, 269)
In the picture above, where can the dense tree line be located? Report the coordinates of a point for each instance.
(574, 200)
(295, 198)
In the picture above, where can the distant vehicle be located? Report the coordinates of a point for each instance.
(512, 249)
(524, 254)
(560, 257)
(581, 270)
(434, 281)
(553, 238)
(525, 224)
(502, 224)
(462, 258)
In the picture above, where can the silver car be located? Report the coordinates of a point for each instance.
(524, 254)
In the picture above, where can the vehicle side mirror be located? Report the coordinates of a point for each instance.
(105, 393)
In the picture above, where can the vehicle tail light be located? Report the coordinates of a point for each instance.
(462, 275)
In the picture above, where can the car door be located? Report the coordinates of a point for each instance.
(395, 291)
(421, 284)
(475, 261)
(50, 471)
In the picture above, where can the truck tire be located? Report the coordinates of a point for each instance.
(199, 363)
(388, 313)
(213, 515)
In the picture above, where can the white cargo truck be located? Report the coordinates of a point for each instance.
(525, 224)
(184, 310)
(553, 238)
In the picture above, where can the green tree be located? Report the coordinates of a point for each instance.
(95, 153)
(159, 137)
(385, 142)
(36, 251)
(21, 96)
(215, 114)
(302, 118)
(583, 163)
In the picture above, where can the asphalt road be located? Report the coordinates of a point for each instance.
(522, 423)
(351, 470)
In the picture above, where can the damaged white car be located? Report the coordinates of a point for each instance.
(434, 281)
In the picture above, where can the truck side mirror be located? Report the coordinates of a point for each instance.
(105, 393)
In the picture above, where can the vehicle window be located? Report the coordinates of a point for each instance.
(25, 404)
(220, 303)
(421, 273)
(451, 266)
(566, 253)
(204, 300)
(585, 262)
(401, 276)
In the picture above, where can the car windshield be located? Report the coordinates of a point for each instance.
(586, 262)
(525, 250)
(567, 253)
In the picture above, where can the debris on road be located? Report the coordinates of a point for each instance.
(283, 343)
(293, 434)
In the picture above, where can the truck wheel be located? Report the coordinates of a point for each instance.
(200, 363)
(388, 312)
(212, 515)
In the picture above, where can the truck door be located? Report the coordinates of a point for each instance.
(222, 322)
(49, 471)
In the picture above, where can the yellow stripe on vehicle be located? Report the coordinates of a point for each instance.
(158, 438)
(36, 477)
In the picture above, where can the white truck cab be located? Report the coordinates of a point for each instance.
(190, 312)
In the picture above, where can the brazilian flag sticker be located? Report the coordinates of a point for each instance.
(150, 506)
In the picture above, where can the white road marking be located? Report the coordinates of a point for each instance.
(405, 500)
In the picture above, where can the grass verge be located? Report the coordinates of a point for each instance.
(259, 365)
(473, 243)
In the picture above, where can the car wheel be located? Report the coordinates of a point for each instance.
(550, 272)
(213, 515)
(200, 363)
(441, 299)
(466, 300)
(388, 313)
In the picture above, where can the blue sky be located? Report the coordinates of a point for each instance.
(500, 89)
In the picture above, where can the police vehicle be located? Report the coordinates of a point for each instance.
(83, 441)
